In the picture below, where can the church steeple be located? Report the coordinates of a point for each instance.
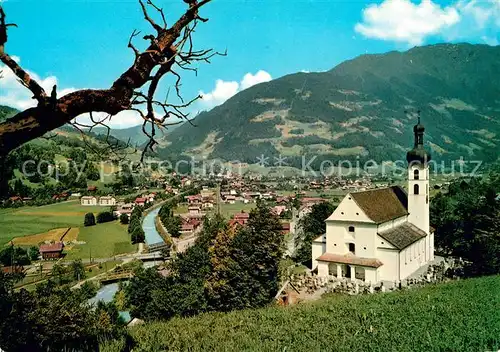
(418, 186)
(418, 154)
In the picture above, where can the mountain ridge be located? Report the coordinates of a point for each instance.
(356, 110)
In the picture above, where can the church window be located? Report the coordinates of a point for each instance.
(357, 213)
(342, 213)
(364, 248)
(415, 174)
(415, 189)
(351, 228)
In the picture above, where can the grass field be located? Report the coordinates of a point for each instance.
(102, 241)
(70, 234)
(37, 220)
(459, 316)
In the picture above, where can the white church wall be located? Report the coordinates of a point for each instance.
(388, 271)
(371, 275)
(318, 248)
(411, 259)
(348, 210)
(338, 238)
(322, 268)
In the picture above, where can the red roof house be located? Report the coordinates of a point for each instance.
(51, 251)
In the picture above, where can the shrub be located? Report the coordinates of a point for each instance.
(124, 219)
(89, 219)
(105, 216)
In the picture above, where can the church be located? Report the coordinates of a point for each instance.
(381, 234)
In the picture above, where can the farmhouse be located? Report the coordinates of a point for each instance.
(108, 200)
(381, 234)
(51, 251)
(88, 200)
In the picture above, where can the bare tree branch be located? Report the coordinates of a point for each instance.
(150, 66)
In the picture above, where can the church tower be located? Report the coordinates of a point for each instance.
(418, 181)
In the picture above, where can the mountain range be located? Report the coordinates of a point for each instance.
(362, 109)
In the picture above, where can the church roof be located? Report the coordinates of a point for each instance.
(350, 259)
(383, 204)
(403, 235)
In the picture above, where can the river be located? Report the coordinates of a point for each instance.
(148, 225)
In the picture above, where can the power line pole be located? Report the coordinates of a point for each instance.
(218, 198)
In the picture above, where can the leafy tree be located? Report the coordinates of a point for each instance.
(14, 256)
(258, 249)
(49, 318)
(105, 216)
(91, 172)
(467, 221)
(138, 235)
(33, 253)
(77, 270)
(124, 219)
(311, 226)
(89, 219)
(173, 226)
(59, 274)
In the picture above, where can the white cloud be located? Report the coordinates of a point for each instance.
(223, 91)
(404, 21)
(226, 89)
(251, 80)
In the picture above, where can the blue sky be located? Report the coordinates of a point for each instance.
(83, 44)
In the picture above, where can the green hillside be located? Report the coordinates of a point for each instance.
(358, 109)
(457, 316)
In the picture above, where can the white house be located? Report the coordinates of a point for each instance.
(381, 234)
(108, 200)
(88, 200)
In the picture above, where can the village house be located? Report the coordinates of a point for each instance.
(141, 201)
(241, 217)
(51, 251)
(107, 200)
(189, 225)
(278, 209)
(124, 209)
(88, 200)
(194, 210)
(381, 234)
(230, 199)
(194, 199)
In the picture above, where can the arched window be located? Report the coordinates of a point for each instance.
(415, 189)
(415, 174)
(351, 228)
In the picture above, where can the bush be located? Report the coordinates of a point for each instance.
(89, 219)
(105, 216)
(124, 219)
